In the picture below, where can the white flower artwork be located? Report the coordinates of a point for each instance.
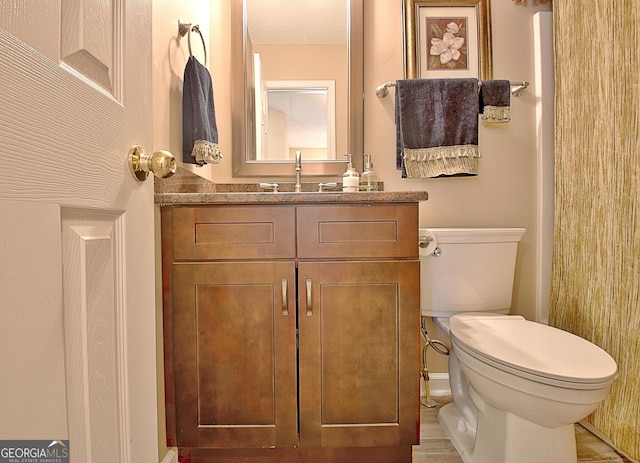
(448, 47)
(448, 43)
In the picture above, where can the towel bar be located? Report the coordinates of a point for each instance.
(186, 28)
(516, 88)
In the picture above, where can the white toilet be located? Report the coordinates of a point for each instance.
(518, 386)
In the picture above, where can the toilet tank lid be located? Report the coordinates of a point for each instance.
(476, 235)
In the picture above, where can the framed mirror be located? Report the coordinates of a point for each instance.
(298, 85)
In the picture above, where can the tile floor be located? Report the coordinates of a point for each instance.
(435, 447)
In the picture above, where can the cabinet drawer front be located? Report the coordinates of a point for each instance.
(358, 231)
(231, 232)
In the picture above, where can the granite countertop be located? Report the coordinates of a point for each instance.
(187, 188)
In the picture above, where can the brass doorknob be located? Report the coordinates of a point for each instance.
(161, 163)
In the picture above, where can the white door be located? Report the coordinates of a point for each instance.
(77, 317)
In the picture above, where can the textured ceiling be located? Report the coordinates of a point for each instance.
(297, 21)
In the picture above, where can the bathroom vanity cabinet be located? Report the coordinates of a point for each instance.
(291, 331)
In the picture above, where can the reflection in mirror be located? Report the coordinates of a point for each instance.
(309, 45)
(296, 116)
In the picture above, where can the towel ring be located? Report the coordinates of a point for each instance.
(185, 29)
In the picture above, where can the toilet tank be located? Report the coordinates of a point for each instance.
(467, 270)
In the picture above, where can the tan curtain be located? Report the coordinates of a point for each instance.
(596, 264)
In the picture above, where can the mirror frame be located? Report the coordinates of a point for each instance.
(241, 94)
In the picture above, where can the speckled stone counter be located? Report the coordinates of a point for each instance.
(187, 188)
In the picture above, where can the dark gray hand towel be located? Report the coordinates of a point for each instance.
(495, 100)
(199, 128)
(437, 126)
(399, 143)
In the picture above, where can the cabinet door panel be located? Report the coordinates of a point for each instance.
(359, 377)
(235, 358)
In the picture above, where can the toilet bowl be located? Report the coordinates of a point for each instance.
(530, 383)
(518, 386)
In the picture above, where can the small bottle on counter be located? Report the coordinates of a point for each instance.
(369, 178)
(350, 178)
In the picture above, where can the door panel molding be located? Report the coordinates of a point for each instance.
(94, 326)
(91, 41)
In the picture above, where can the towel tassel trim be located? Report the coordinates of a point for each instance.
(441, 160)
(496, 114)
(205, 151)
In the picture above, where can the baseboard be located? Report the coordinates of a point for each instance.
(171, 456)
(438, 385)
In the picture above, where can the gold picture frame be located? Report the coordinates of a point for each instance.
(447, 39)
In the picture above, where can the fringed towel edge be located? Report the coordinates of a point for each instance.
(441, 160)
(496, 114)
(205, 151)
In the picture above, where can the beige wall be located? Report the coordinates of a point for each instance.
(504, 194)
(170, 54)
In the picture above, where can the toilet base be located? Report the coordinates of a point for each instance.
(503, 437)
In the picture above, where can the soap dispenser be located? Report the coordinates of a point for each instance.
(350, 179)
(369, 178)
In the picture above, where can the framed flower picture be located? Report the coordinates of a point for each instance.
(447, 39)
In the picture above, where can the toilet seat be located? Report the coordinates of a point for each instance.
(532, 350)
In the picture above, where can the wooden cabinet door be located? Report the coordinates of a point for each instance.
(234, 344)
(359, 353)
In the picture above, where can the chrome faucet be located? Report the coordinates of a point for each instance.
(298, 186)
